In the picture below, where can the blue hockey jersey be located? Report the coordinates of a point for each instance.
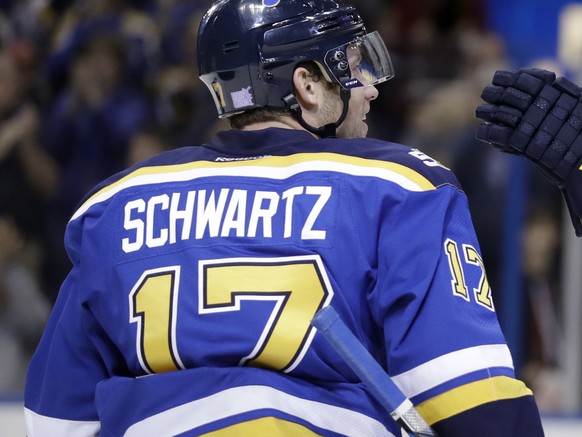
(196, 274)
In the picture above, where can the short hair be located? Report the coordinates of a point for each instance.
(269, 113)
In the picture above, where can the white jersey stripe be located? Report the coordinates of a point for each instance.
(452, 365)
(43, 426)
(400, 175)
(239, 400)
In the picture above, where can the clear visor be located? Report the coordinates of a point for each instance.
(362, 62)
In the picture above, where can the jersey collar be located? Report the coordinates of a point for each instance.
(240, 142)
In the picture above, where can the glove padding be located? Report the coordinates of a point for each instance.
(532, 113)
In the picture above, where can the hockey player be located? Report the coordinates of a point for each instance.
(531, 113)
(196, 273)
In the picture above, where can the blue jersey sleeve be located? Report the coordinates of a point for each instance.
(60, 387)
(444, 346)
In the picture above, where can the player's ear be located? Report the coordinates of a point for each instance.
(305, 88)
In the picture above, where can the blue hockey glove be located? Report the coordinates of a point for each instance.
(531, 113)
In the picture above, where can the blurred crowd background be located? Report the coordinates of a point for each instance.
(89, 87)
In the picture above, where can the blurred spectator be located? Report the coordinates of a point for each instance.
(145, 143)
(87, 130)
(28, 175)
(93, 117)
(541, 249)
(178, 22)
(543, 340)
(84, 20)
(21, 189)
(24, 309)
(429, 45)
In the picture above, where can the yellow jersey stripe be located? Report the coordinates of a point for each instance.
(271, 167)
(263, 427)
(470, 396)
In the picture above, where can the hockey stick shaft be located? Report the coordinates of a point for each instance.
(335, 331)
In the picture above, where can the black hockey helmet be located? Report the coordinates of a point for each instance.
(248, 49)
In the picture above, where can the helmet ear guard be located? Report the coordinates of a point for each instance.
(248, 50)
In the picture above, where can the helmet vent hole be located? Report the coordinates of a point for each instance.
(230, 46)
(335, 22)
(328, 24)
